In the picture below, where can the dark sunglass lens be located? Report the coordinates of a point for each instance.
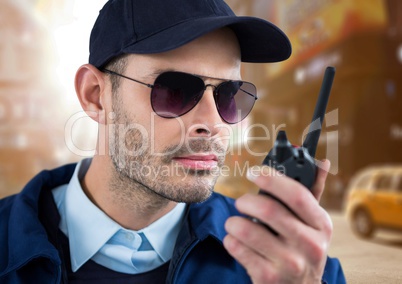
(235, 99)
(176, 93)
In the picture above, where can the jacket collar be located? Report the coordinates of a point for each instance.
(203, 220)
(24, 223)
(207, 219)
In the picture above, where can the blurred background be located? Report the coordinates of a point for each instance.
(43, 42)
(363, 40)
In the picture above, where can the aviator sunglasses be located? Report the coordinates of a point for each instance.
(174, 94)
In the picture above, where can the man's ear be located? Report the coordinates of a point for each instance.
(90, 86)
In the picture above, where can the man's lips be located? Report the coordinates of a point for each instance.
(198, 162)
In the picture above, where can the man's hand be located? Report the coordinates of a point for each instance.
(298, 254)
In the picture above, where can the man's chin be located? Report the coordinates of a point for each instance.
(196, 199)
(189, 194)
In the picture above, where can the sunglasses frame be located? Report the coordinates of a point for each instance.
(215, 92)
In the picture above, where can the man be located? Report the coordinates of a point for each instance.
(163, 82)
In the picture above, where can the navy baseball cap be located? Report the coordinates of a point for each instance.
(154, 26)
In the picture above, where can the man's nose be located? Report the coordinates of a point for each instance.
(205, 115)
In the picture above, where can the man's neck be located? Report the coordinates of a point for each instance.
(123, 199)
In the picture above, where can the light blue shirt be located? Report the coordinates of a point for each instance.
(94, 235)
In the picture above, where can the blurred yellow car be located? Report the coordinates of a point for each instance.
(374, 200)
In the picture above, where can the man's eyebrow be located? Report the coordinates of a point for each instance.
(157, 72)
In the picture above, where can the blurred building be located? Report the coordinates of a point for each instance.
(363, 40)
(32, 114)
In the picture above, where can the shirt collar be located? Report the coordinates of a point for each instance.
(88, 228)
(162, 234)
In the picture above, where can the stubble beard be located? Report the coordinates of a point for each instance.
(158, 177)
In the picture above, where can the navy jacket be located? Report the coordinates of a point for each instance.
(27, 255)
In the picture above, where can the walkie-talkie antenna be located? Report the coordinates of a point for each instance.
(311, 141)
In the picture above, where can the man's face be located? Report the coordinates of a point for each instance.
(178, 158)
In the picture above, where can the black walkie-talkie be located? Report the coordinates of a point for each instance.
(298, 162)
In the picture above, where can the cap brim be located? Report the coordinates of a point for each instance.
(260, 41)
